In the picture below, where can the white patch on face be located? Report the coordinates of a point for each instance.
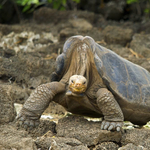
(78, 79)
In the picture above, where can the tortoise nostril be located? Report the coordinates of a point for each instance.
(78, 84)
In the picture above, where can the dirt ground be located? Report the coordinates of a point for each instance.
(27, 58)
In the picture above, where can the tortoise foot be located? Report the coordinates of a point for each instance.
(112, 125)
(26, 123)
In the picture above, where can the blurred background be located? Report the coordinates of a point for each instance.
(33, 32)
(32, 35)
(13, 11)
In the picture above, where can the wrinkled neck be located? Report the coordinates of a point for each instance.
(80, 62)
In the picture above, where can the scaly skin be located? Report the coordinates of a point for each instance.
(37, 102)
(113, 116)
(80, 87)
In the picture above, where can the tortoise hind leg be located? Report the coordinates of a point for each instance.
(59, 68)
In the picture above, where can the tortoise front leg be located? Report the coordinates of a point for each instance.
(37, 102)
(113, 116)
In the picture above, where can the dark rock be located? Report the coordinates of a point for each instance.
(25, 66)
(90, 5)
(96, 34)
(106, 146)
(8, 12)
(58, 143)
(44, 127)
(145, 27)
(19, 94)
(3, 148)
(47, 15)
(137, 137)
(81, 24)
(66, 33)
(1, 52)
(7, 110)
(113, 10)
(13, 139)
(131, 146)
(135, 11)
(55, 108)
(6, 29)
(1, 35)
(117, 35)
(141, 44)
(9, 53)
(36, 81)
(88, 132)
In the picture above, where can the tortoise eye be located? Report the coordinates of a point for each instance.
(84, 82)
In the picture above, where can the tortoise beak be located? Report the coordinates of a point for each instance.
(77, 87)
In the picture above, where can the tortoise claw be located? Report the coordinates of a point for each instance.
(111, 125)
(118, 129)
(25, 122)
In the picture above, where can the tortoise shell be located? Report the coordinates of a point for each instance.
(123, 78)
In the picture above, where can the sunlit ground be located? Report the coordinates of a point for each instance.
(55, 118)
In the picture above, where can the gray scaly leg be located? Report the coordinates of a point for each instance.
(113, 116)
(37, 102)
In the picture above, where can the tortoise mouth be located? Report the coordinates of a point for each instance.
(77, 90)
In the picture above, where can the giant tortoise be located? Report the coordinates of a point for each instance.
(92, 80)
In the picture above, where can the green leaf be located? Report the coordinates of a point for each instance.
(19, 2)
(62, 8)
(77, 1)
(64, 2)
(147, 10)
(1, 6)
(56, 5)
(34, 7)
(35, 1)
(49, 1)
(26, 8)
(132, 1)
(24, 2)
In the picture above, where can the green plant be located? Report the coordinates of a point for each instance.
(58, 4)
(2, 3)
(147, 10)
(138, 6)
(31, 5)
(28, 5)
(132, 1)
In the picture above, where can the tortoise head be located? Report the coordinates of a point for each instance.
(77, 84)
(79, 54)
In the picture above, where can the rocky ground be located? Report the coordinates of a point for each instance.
(27, 58)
